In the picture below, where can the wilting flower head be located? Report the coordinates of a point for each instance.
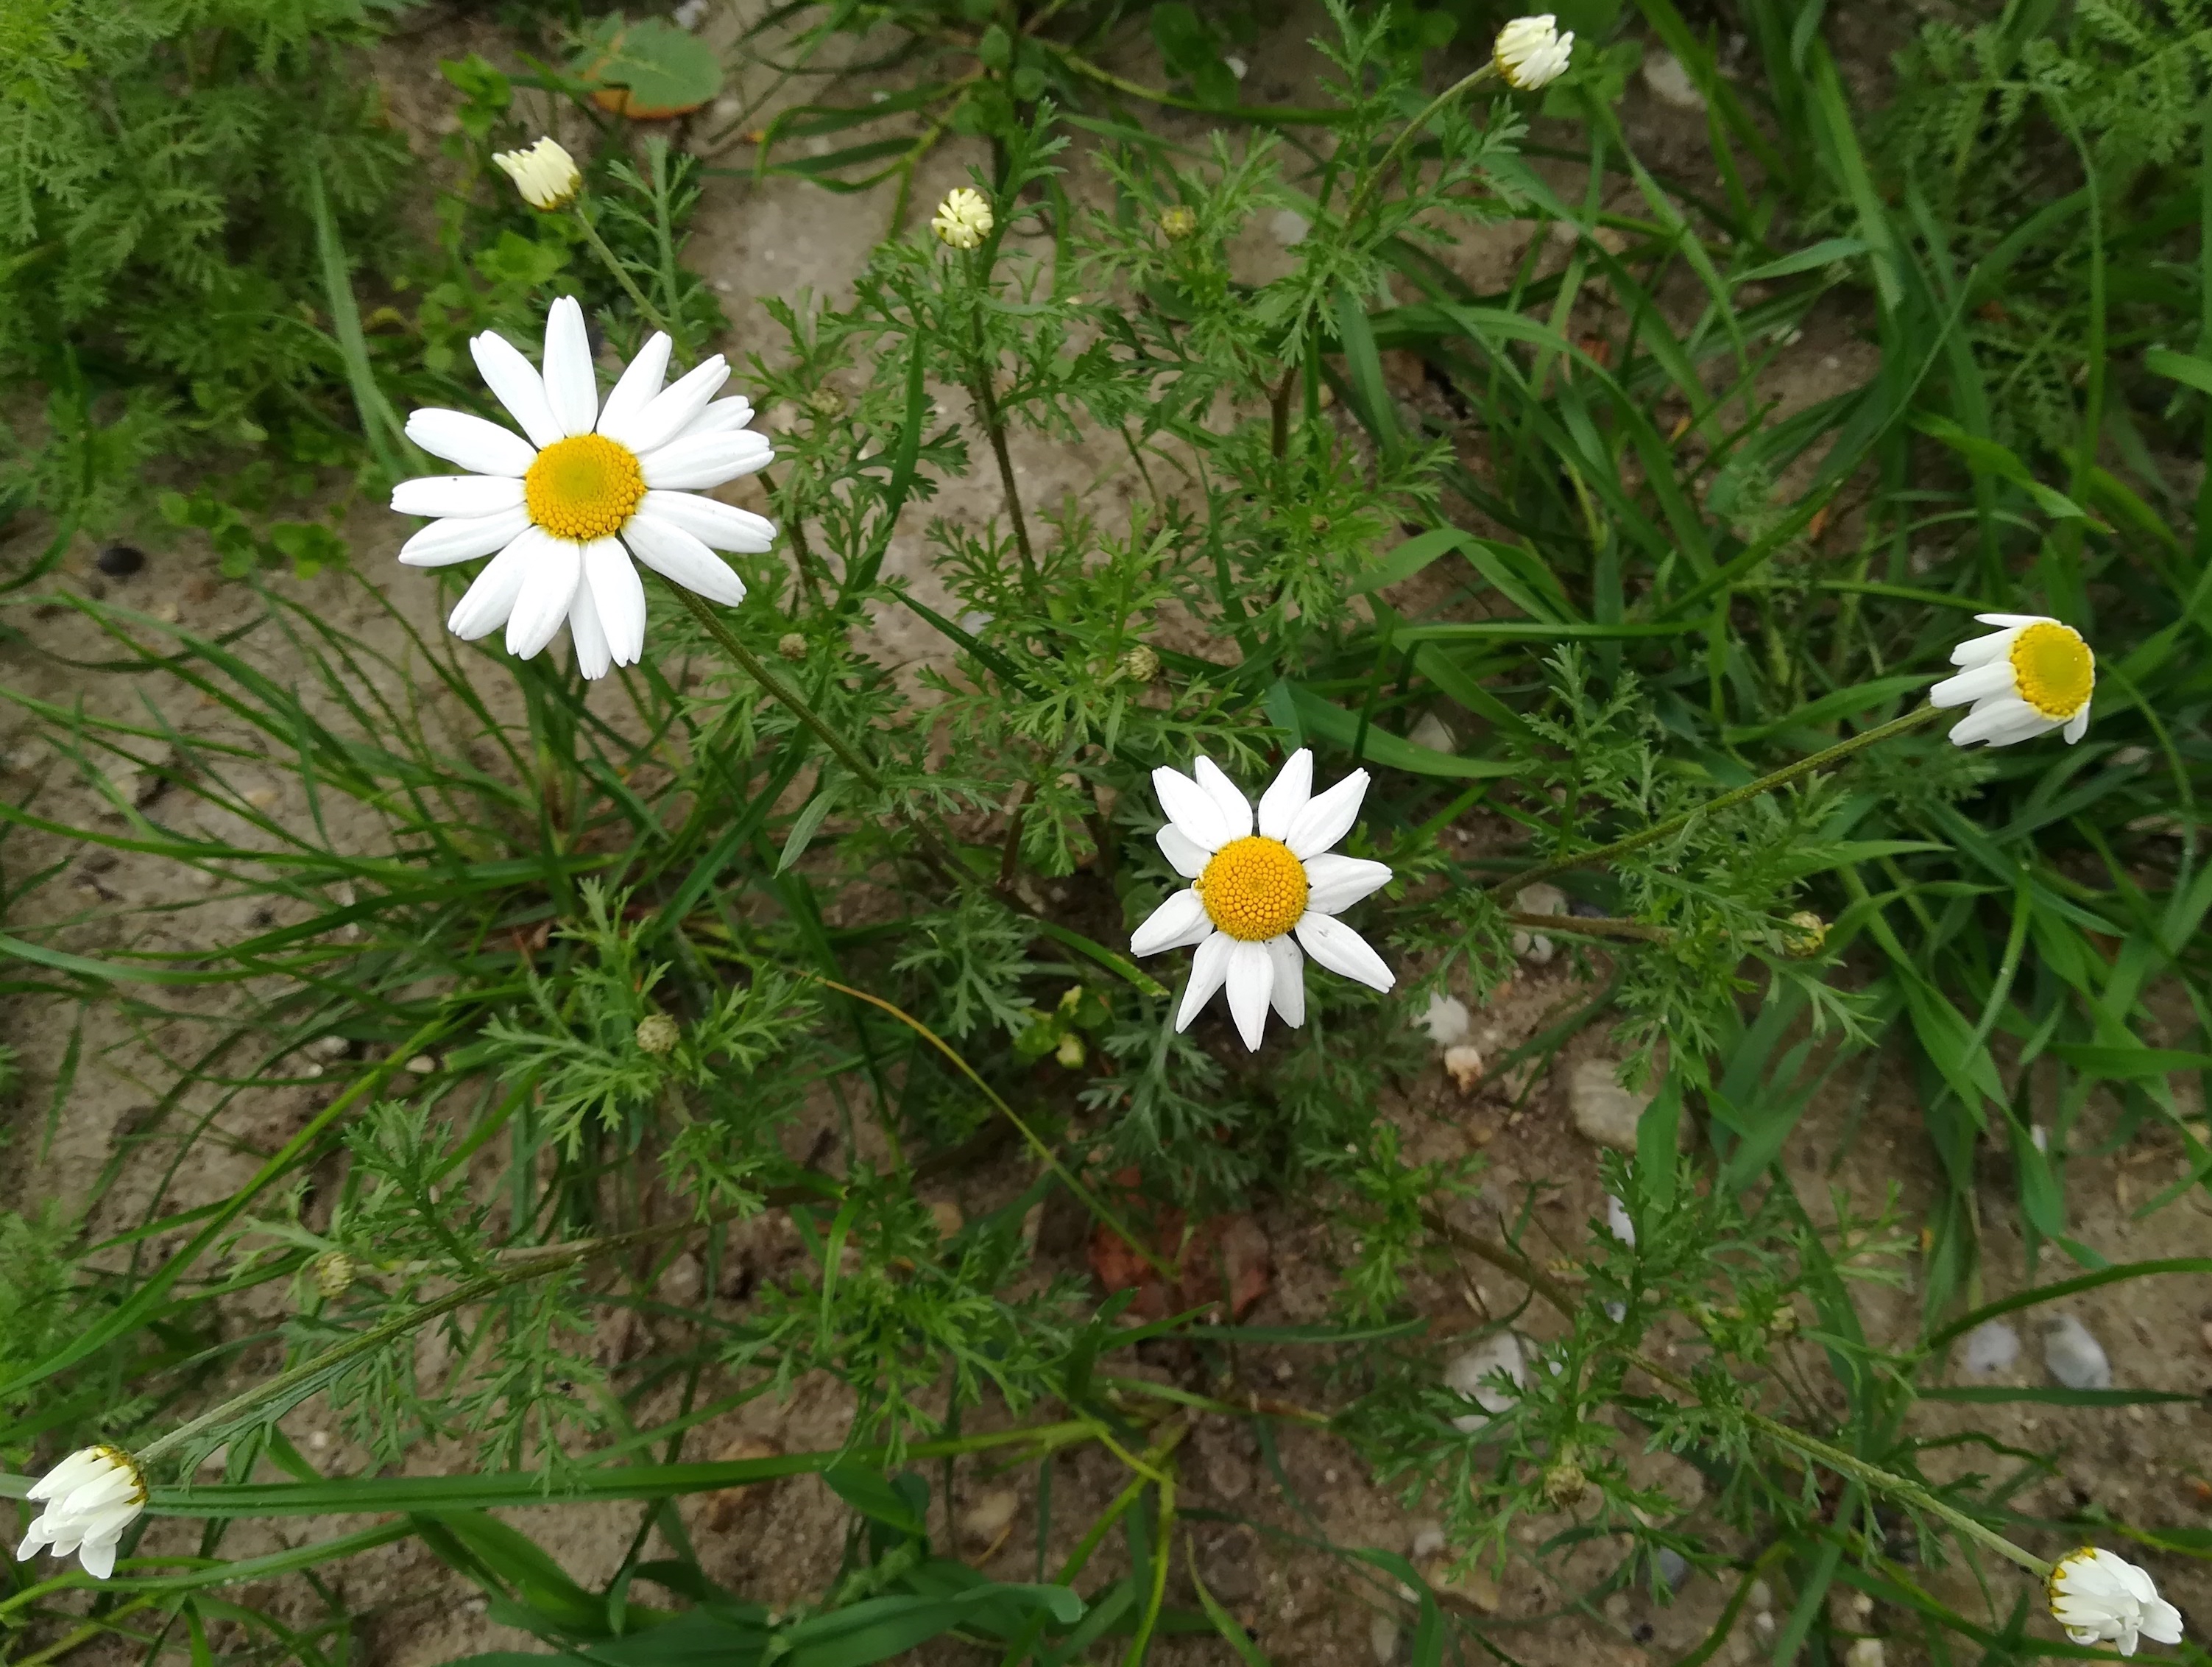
(2101, 1598)
(1531, 52)
(1250, 891)
(545, 175)
(592, 486)
(90, 1498)
(2025, 679)
(964, 218)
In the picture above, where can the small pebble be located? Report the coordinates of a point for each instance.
(1763, 1624)
(1673, 1568)
(1465, 1374)
(1382, 1638)
(983, 1522)
(120, 561)
(1535, 947)
(1761, 1594)
(1993, 1346)
(1863, 1652)
(1428, 1540)
(1289, 227)
(2075, 1357)
(1603, 1110)
(1236, 66)
(1445, 1020)
(1433, 733)
(2205, 1332)
(422, 1065)
(330, 1047)
(1670, 82)
(1463, 1065)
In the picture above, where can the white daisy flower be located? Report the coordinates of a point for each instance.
(90, 1498)
(964, 218)
(2025, 679)
(1249, 892)
(545, 175)
(562, 511)
(2101, 1598)
(1531, 52)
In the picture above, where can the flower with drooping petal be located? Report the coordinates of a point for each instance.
(2101, 1598)
(1532, 53)
(2025, 679)
(563, 507)
(964, 218)
(1251, 893)
(90, 1498)
(545, 175)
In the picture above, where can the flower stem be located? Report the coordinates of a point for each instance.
(646, 309)
(1406, 137)
(1673, 825)
(994, 424)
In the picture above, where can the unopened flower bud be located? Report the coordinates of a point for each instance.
(1070, 1051)
(963, 219)
(1532, 53)
(545, 175)
(1178, 222)
(1565, 1483)
(333, 1273)
(1140, 664)
(792, 646)
(825, 402)
(1804, 934)
(656, 1033)
(89, 1499)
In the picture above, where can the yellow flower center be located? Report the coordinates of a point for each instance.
(2053, 669)
(583, 488)
(1254, 889)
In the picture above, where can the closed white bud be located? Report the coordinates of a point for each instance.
(334, 1273)
(545, 175)
(1532, 53)
(964, 218)
(90, 1498)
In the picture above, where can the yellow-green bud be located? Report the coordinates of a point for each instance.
(333, 1273)
(792, 646)
(1803, 935)
(1565, 1483)
(1140, 664)
(1178, 222)
(656, 1033)
(825, 402)
(1070, 1051)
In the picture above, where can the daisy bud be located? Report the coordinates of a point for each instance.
(1531, 52)
(792, 646)
(333, 1273)
(1565, 1483)
(656, 1033)
(1803, 935)
(1178, 222)
(545, 175)
(963, 219)
(1140, 664)
(1070, 1051)
(2101, 1598)
(90, 1498)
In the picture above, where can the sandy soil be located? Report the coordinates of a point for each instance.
(2145, 1465)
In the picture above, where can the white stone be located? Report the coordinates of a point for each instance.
(1463, 1065)
(1428, 1540)
(1465, 1373)
(1382, 1638)
(2076, 1358)
(1446, 1019)
(1434, 734)
(1603, 1110)
(1864, 1652)
(1289, 227)
(1616, 1222)
(1670, 82)
(1236, 66)
(1993, 1346)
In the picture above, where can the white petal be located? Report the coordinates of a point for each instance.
(514, 382)
(2000, 722)
(718, 525)
(99, 1558)
(474, 444)
(1208, 969)
(2015, 620)
(1340, 949)
(571, 388)
(73, 1472)
(2161, 1621)
(463, 538)
(547, 590)
(671, 551)
(2076, 728)
(1251, 981)
(1980, 650)
(1326, 818)
(1289, 994)
(31, 1541)
(589, 637)
(1192, 809)
(1976, 683)
(721, 416)
(1184, 854)
(672, 410)
(457, 494)
(708, 460)
(1180, 920)
(1338, 882)
(617, 598)
(638, 383)
(1236, 809)
(1287, 794)
(485, 605)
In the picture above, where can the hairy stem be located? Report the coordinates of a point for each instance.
(1673, 825)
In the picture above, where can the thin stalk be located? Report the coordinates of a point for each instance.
(1406, 137)
(1673, 825)
(987, 402)
(646, 309)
